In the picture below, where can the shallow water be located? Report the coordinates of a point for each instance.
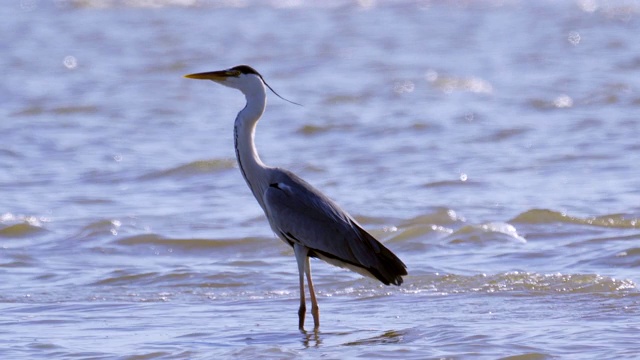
(491, 145)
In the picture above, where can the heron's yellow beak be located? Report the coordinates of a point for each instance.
(214, 75)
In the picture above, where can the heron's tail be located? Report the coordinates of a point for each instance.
(388, 268)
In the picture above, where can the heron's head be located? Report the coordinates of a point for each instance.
(241, 77)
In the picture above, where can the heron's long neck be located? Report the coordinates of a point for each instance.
(252, 168)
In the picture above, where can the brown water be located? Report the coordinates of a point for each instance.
(492, 145)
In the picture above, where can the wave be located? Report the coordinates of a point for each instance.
(486, 233)
(544, 216)
(97, 229)
(518, 281)
(20, 230)
(627, 258)
(453, 228)
(193, 244)
(451, 183)
(441, 216)
(193, 168)
(20, 226)
(313, 129)
(36, 110)
(176, 278)
(237, 282)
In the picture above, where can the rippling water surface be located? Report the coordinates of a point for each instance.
(492, 145)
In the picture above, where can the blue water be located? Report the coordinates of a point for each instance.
(491, 145)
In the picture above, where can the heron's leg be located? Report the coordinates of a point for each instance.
(315, 311)
(301, 258)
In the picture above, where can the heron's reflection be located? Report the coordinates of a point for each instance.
(311, 338)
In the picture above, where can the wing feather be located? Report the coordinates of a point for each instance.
(302, 214)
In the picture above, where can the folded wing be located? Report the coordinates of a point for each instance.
(299, 213)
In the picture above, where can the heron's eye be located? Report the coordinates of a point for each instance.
(234, 73)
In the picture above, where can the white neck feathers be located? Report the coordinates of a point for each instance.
(252, 168)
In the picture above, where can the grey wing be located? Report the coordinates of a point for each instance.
(299, 213)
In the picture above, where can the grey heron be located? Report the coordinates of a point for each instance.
(299, 214)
